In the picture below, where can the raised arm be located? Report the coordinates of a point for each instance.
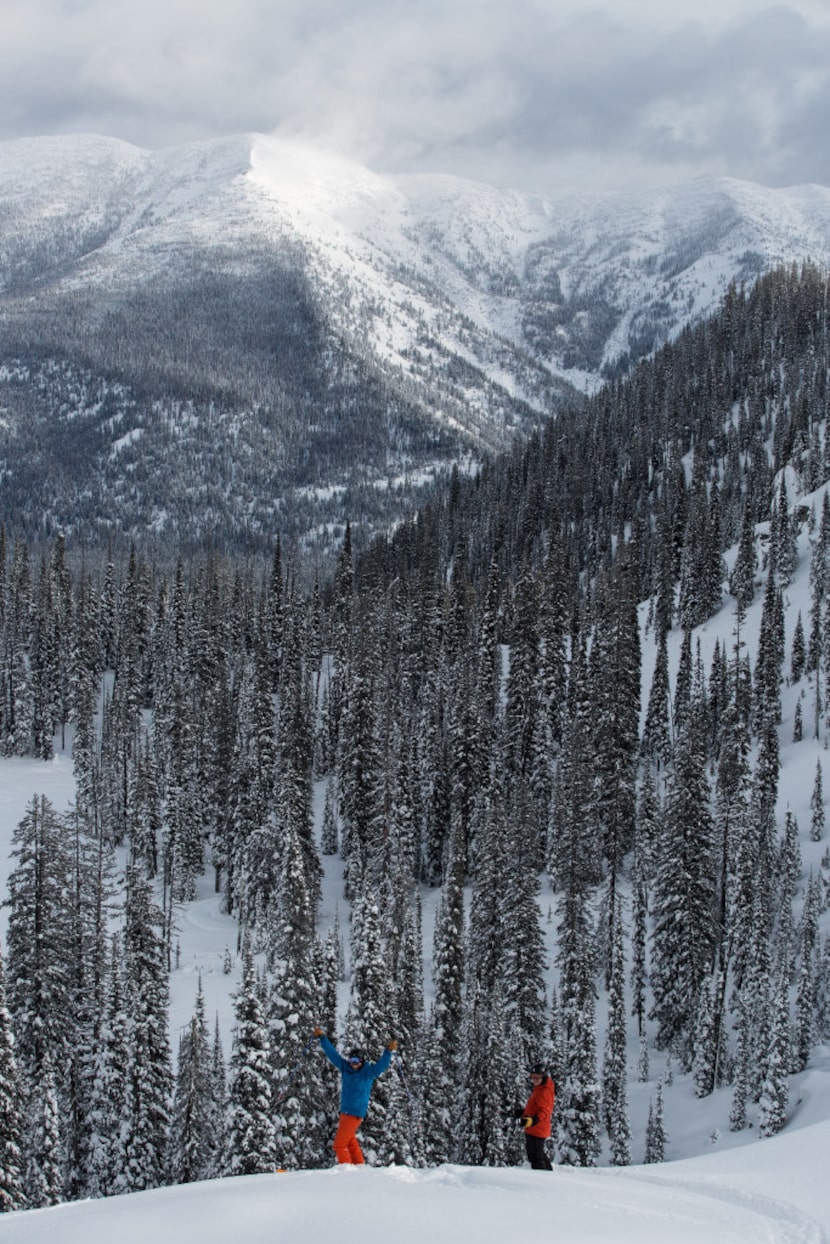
(383, 1062)
(331, 1053)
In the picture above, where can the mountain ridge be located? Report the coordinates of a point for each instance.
(364, 330)
(496, 240)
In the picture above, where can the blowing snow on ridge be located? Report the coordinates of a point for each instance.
(611, 275)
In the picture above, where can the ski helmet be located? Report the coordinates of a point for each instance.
(356, 1056)
(538, 1069)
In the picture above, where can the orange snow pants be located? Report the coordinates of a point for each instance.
(345, 1142)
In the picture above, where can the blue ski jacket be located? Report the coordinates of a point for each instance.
(356, 1083)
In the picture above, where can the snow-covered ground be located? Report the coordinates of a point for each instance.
(775, 1192)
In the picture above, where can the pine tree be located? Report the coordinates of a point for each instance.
(737, 1115)
(784, 533)
(656, 742)
(708, 1038)
(447, 1012)
(193, 1138)
(798, 723)
(250, 1139)
(615, 678)
(248, 860)
(360, 771)
(491, 1060)
(822, 992)
(580, 1110)
(742, 579)
(803, 1036)
(329, 840)
(523, 959)
(770, 660)
(555, 1059)
(108, 1098)
(775, 1094)
(580, 1097)
(42, 1143)
(370, 1016)
(788, 872)
(86, 661)
(798, 652)
(683, 684)
(39, 943)
(11, 1126)
(521, 697)
(614, 1071)
(656, 1138)
(219, 1096)
(149, 1072)
(573, 851)
(294, 1003)
(183, 854)
(90, 910)
(685, 933)
(295, 747)
(817, 817)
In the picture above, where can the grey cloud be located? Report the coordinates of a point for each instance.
(533, 94)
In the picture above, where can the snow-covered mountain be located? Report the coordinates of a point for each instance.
(578, 281)
(337, 324)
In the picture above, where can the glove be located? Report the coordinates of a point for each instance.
(318, 1032)
(392, 1045)
(528, 1121)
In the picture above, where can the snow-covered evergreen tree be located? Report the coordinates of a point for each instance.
(11, 1124)
(149, 1071)
(775, 1093)
(684, 933)
(370, 1019)
(194, 1142)
(656, 1138)
(43, 1180)
(108, 1098)
(817, 812)
(249, 1138)
(614, 1067)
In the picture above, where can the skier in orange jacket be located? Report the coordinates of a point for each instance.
(536, 1118)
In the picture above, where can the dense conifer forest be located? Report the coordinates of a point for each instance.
(465, 697)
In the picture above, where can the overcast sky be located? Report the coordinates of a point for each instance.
(546, 95)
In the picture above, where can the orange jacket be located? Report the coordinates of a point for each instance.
(540, 1107)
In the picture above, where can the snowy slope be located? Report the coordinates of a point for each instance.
(779, 1196)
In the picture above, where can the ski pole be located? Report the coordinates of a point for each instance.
(398, 1065)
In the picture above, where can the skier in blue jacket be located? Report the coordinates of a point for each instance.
(357, 1077)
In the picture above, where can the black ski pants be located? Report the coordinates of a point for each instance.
(537, 1154)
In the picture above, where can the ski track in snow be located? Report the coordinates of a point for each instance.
(782, 1221)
